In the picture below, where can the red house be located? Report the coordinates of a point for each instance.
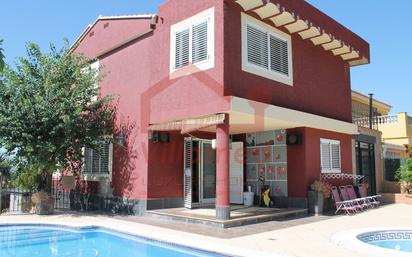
(216, 97)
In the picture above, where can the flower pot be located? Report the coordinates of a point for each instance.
(319, 204)
(316, 202)
(43, 203)
(44, 207)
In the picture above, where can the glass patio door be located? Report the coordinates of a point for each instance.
(208, 173)
(199, 173)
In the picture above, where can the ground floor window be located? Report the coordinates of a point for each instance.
(97, 161)
(393, 162)
(330, 155)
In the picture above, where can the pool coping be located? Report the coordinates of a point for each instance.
(194, 244)
(349, 240)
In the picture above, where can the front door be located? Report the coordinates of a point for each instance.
(199, 173)
(366, 165)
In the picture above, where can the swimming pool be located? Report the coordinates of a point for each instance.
(61, 241)
(398, 240)
(376, 241)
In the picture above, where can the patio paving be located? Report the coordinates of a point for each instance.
(304, 237)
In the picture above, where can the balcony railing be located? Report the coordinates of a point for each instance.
(378, 120)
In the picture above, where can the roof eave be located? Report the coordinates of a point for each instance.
(120, 17)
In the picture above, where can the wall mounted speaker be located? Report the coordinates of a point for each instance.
(294, 139)
(160, 137)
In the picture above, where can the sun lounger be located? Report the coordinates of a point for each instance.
(364, 202)
(372, 199)
(345, 206)
(345, 197)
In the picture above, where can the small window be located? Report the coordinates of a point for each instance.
(330, 156)
(193, 42)
(266, 51)
(97, 161)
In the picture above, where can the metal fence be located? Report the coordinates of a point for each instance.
(82, 198)
(15, 200)
(61, 195)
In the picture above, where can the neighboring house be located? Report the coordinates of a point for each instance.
(361, 106)
(215, 96)
(383, 145)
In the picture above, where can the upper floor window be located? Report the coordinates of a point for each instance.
(192, 42)
(266, 51)
(330, 156)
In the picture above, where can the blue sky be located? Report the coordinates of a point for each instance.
(386, 27)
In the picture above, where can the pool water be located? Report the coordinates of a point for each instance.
(45, 241)
(399, 245)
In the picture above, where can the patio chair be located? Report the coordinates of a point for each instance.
(372, 199)
(345, 206)
(364, 202)
(345, 197)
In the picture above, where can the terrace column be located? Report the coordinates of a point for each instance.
(222, 170)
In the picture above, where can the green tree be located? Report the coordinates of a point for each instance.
(1, 56)
(49, 111)
(404, 175)
(5, 166)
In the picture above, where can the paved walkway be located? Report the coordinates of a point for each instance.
(306, 237)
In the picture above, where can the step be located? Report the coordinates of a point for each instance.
(36, 241)
(24, 233)
(233, 222)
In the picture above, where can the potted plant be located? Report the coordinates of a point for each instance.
(404, 177)
(43, 203)
(321, 190)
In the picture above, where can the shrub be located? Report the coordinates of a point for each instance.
(28, 177)
(323, 187)
(404, 176)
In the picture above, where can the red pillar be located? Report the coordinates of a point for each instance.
(222, 170)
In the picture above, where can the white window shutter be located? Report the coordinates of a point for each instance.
(182, 48)
(325, 156)
(104, 158)
(335, 156)
(257, 47)
(88, 155)
(200, 42)
(330, 155)
(188, 166)
(279, 56)
(97, 161)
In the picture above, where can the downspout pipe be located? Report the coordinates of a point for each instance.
(371, 111)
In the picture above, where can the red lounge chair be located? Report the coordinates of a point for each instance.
(345, 206)
(345, 197)
(363, 202)
(372, 199)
